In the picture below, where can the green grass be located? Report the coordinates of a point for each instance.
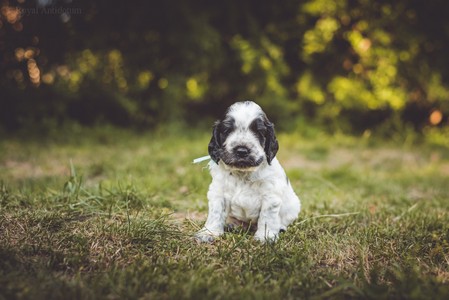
(111, 214)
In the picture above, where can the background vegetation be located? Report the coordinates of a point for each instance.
(350, 65)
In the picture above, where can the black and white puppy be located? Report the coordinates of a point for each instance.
(249, 186)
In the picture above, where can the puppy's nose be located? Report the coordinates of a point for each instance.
(241, 151)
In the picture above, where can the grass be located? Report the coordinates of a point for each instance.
(110, 214)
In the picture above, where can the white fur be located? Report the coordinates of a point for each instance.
(260, 195)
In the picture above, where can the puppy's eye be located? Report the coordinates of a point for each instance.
(258, 127)
(262, 130)
(227, 130)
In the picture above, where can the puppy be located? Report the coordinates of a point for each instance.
(249, 186)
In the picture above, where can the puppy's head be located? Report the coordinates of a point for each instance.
(244, 139)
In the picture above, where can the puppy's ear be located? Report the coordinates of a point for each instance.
(215, 143)
(271, 143)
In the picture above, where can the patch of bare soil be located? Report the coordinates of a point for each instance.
(367, 158)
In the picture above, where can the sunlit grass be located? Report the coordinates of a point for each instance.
(110, 214)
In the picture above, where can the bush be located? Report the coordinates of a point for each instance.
(347, 65)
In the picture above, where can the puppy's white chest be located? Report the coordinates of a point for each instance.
(243, 199)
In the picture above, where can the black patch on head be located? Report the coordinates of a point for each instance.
(226, 127)
(259, 129)
(220, 132)
(263, 129)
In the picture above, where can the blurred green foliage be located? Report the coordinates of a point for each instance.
(345, 64)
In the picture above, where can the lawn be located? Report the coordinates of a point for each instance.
(106, 213)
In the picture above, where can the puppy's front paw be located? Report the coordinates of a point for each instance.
(266, 236)
(207, 236)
